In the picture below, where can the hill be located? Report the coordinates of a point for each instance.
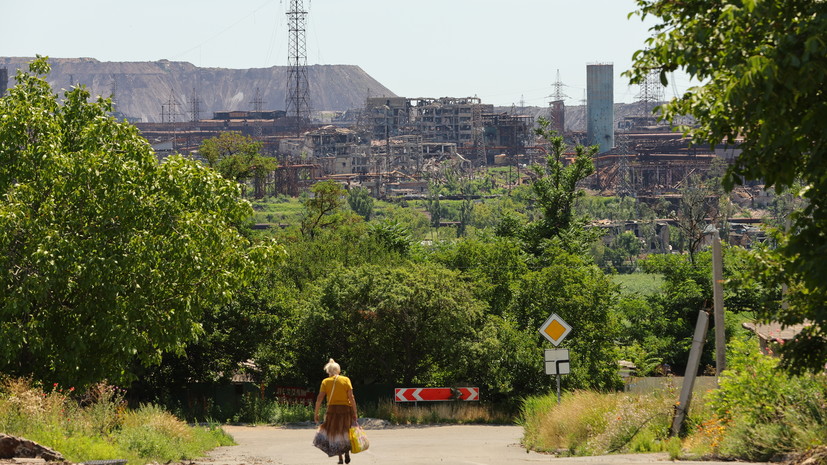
(141, 88)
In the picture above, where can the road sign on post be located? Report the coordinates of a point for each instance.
(557, 362)
(555, 329)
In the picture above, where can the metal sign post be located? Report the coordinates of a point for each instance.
(557, 364)
(555, 329)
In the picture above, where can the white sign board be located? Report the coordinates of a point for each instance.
(555, 329)
(557, 362)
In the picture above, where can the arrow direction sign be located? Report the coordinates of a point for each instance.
(557, 362)
(555, 329)
(436, 394)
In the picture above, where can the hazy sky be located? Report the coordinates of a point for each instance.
(500, 51)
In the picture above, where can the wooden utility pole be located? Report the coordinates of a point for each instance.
(718, 301)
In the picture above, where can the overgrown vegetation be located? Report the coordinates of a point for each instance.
(757, 414)
(97, 425)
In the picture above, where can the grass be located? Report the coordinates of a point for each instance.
(258, 411)
(594, 423)
(97, 425)
(437, 413)
(278, 210)
(639, 283)
(758, 413)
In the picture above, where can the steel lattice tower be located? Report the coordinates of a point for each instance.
(651, 93)
(298, 92)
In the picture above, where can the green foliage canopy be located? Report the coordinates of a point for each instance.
(763, 69)
(397, 324)
(106, 256)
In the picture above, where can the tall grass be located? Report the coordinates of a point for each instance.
(97, 425)
(757, 414)
(269, 411)
(589, 423)
(437, 413)
(266, 411)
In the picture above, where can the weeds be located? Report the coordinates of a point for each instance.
(98, 426)
(436, 413)
(757, 414)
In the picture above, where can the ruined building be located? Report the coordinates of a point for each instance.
(478, 132)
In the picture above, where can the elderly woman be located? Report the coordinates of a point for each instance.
(332, 437)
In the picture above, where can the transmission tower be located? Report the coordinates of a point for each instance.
(258, 103)
(558, 93)
(194, 106)
(557, 108)
(651, 93)
(298, 92)
(169, 111)
(624, 182)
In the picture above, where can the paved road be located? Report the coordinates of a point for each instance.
(442, 445)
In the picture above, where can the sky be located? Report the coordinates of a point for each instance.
(505, 52)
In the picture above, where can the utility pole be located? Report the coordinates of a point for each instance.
(691, 372)
(718, 301)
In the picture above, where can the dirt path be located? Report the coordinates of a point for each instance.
(442, 445)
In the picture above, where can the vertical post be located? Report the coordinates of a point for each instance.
(558, 388)
(718, 300)
(691, 371)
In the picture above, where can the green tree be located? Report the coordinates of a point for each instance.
(323, 208)
(585, 298)
(762, 66)
(493, 265)
(238, 157)
(432, 204)
(107, 257)
(360, 202)
(391, 324)
(625, 247)
(555, 190)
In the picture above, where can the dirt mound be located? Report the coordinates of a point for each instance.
(141, 88)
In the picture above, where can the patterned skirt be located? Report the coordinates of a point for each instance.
(332, 437)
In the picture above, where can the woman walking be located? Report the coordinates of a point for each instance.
(332, 437)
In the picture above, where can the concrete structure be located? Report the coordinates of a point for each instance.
(557, 116)
(4, 81)
(600, 106)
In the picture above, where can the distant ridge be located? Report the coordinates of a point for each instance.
(141, 88)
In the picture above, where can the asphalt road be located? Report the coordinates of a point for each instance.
(442, 445)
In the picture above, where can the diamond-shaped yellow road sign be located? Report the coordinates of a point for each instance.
(555, 329)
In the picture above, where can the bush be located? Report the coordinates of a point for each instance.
(761, 412)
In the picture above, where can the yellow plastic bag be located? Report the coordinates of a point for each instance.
(358, 439)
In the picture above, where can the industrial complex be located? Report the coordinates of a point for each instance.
(392, 143)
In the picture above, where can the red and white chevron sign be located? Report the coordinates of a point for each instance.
(436, 394)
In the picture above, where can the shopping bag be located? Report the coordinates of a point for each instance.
(358, 439)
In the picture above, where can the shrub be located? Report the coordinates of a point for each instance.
(761, 411)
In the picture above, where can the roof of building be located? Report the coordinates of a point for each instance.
(775, 331)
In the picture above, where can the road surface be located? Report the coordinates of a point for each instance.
(413, 445)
